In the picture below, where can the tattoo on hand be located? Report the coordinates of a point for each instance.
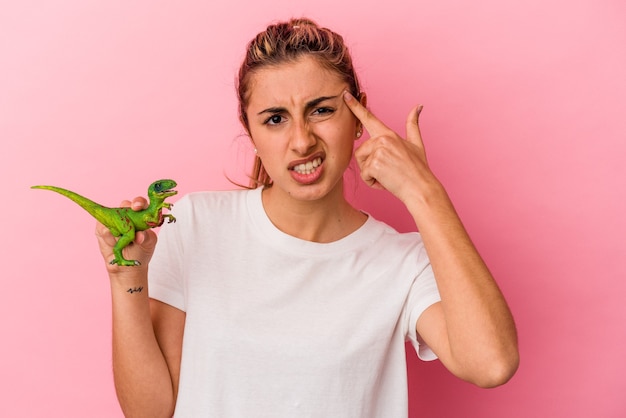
(135, 289)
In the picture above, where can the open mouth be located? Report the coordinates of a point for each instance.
(169, 192)
(165, 188)
(308, 167)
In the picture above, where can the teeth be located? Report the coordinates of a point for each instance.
(309, 167)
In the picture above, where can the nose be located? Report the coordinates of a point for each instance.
(302, 138)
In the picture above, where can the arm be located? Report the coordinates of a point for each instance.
(147, 335)
(471, 329)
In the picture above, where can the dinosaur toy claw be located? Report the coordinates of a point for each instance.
(125, 222)
(124, 262)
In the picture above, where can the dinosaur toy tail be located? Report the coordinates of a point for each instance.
(95, 209)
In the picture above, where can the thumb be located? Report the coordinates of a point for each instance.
(413, 133)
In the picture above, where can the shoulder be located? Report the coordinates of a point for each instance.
(388, 234)
(203, 208)
(212, 200)
(391, 244)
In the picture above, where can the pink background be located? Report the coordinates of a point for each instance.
(524, 122)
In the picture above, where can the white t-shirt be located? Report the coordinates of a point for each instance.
(281, 327)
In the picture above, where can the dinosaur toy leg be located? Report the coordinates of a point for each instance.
(124, 240)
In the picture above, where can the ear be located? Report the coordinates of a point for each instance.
(245, 126)
(363, 98)
(363, 101)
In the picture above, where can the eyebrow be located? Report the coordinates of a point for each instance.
(309, 104)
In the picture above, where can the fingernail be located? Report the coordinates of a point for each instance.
(347, 96)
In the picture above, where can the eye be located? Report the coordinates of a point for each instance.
(274, 120)
(323, 111)
(158, 187)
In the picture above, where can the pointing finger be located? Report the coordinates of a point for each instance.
(373, 125)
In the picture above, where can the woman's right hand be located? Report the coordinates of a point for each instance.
(140, 249)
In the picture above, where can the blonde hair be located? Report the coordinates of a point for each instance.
(286, 42)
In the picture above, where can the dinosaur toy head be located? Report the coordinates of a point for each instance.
(162, 188)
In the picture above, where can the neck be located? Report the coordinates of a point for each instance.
(323, 220)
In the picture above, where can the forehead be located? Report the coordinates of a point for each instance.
(292, 83)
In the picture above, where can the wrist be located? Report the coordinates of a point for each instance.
(425, 196)
(134, 282)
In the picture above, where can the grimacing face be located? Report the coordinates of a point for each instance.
(302, 130)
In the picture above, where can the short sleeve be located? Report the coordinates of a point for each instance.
(165, 275)
(423, 294)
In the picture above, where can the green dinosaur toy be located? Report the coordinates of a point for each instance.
(124, 222)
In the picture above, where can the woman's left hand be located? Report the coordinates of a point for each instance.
(388, 161)
(472, 307)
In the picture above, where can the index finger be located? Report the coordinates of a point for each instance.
(373, 125)
(138, 203)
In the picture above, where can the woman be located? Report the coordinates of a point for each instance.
(284, 300)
